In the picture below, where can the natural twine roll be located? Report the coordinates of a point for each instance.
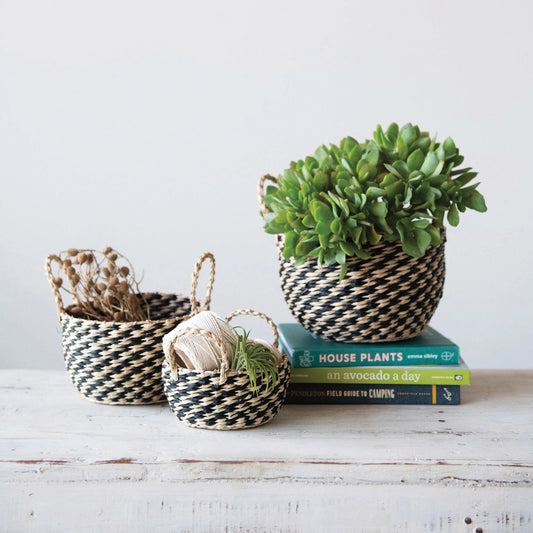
(205, 342)
(195, 349)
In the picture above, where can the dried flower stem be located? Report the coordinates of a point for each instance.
(103, 285)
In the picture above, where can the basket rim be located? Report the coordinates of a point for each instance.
(130, 322)
(381, 246)
(213, 373)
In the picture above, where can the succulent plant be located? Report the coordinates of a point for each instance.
(400, 186)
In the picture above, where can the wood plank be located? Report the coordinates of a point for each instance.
(421, 468)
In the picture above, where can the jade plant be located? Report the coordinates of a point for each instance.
(399, 186)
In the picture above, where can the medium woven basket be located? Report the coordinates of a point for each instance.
(120, 362)
(223, 399)
(389, 297)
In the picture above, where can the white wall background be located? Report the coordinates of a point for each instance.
(145, 125)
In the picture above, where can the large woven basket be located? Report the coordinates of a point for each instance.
(120, 362)
(389, 297)
(222, 399)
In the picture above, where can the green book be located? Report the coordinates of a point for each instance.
(386, 375)
(307, 350)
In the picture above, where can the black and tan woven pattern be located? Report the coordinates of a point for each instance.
(120, 362)
(115, 362)
(387, 298)
(200, 400)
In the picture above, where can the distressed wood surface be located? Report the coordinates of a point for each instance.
(70, 465)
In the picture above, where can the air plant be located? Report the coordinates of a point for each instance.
(257, 360)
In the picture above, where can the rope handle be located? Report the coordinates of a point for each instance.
(51, 280)
(257, 314)
(171, 359)
(194, 285)
(261, 191)
(196, 272)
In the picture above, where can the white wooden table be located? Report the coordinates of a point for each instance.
(69, 465)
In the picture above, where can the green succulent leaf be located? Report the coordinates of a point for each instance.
(393, 171)
(354, 155)
(321, 181)
(401, 185)
(422, 143)
(372, 235)
(340, 257)
(378, 209)
(449, 148)
(474, 200)
(362, 254)
(323, 228)
(430, 164)
(465, 178)
(336, 226)
(421, 224)
(321, 212)
(402, 168)
(367, 172)
(291, 239)
(403, 149)
(408, 134)
(392, 132)
(308, 221)
(347, 247)
(415, 160)
(310, 163)
(321, 153)
(382, 139)
(347, 165)
(344, 270)
(423, 240)
(304, 248)
(394, 189)
(323, 238)
(347, 144)
(435, 235)
(372, 153)
(374, 192)
(453, 215)
(330, 257)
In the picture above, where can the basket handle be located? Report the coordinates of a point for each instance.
(258, 315)
(194, 285)
(261, 191)
(171, 359)
(51, 280)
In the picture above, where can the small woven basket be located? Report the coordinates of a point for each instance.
(223, 399)
(119, 363)
(387, 298)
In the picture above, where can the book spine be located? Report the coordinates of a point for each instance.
(383, 375)
(408, 355)
(308, 393)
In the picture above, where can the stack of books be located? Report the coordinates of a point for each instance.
(424, 370)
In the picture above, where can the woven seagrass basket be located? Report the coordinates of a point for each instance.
(120, 362)
(222, 399)
(389, 297)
